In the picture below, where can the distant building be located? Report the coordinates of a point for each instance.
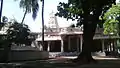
(70, 39)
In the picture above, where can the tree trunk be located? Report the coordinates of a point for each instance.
(24, 16)
(42, 24)
(1, 10)
(90, 24)
(85, 56)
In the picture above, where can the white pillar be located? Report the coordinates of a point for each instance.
(109, 47)
(69, 46)
(112, 46)
(62, 45)
(103, 46)
(41, 47)
(81, 42)
(48, 49)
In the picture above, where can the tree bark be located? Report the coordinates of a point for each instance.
(24, 16)
(90, 24)
(1, 10)
(42, 24)
(89, 31)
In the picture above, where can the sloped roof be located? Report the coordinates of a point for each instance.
(51, 38)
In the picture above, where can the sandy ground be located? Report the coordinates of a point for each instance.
(103, 62)
(62, 62)
(95, 57)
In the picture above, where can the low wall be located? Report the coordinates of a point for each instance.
(27, 55)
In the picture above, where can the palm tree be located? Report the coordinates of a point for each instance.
(24, 16)
(42, 23)
(29, 6)
(33, 6)
(1, 10)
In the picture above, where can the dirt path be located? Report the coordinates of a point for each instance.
(100, 64)
(103, 62)
(62, 62)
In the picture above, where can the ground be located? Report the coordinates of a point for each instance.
(65, 63)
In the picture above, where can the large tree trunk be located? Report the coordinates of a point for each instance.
(90, 24)
(89, 31)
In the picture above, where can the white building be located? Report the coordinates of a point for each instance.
(70, 39)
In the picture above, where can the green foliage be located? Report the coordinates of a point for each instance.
(113, 12)
(69, 10)
(18, 33)
(112, 22)
(111, 27)
(78, 9)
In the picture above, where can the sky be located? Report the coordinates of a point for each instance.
(12, 11)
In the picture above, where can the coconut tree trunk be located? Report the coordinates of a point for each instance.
(24, 16)
(1, 10)
(42, 24)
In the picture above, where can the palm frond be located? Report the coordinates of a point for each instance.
(35, 8)
(30, 6)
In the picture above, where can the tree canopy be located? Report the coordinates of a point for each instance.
(75, 9)
(87, 12)
(112, 22)
(16, 33)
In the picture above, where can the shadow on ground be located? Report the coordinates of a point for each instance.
(63, 63)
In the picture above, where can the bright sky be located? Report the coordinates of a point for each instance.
(11, 10)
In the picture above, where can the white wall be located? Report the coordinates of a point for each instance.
(27, 55)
